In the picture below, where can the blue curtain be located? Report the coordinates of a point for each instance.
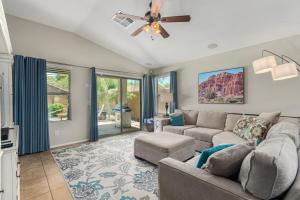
(30, 104)
(173, 90)
(148, 97)
(94, 110)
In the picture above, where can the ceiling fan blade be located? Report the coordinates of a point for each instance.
(163, 32)
(183, 18)
(155, 8)
(133, 17)
(138, 31)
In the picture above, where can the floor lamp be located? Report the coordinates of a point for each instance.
(288, 68)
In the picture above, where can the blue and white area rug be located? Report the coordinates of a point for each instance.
(107, 169)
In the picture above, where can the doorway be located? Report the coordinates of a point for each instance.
(119, 105)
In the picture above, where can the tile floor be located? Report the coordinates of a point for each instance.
(41, 178)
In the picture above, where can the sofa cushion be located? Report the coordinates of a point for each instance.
(231, 120)
(193, 161)
(226, 138)
(203, 134)
(177, 129)
(294, 120)
(285, 128)
(294, 191)
(190, 117)
(270, 170)
(215, 120)
(270, 117)
(227, 163)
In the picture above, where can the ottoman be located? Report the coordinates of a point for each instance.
(156, 146)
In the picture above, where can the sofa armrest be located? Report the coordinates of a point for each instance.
(180, 181)
(160, 123)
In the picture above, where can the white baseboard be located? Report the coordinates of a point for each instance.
(68, 143)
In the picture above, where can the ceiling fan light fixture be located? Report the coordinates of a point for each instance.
(155, 26)
(157, 31)
(146, 28)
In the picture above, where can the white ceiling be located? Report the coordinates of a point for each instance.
(232, 24)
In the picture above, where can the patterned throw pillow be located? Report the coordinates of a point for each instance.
(251, 128)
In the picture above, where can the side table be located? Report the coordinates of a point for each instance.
(159, 122)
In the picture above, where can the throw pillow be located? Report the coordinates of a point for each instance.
(270, 117)
(208, 152)
(177, 120)
(190, 116)
(251, 128)
(269, 170)
(227, 163)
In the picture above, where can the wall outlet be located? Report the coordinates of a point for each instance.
(57, 133)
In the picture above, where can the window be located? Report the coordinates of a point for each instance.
(163, 86)
(58, 84)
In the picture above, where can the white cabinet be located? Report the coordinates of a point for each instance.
(9, 165)
(10, 170)
(6, 91)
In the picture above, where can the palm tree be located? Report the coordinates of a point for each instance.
(107, 91)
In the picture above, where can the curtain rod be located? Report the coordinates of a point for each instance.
(81, 66)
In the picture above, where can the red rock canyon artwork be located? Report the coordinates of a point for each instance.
(222, 86)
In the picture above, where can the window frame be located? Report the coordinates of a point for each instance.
(156, 91)
(62, 71)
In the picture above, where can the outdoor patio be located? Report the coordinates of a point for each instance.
(108, 127)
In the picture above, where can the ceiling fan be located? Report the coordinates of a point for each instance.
(153, 19)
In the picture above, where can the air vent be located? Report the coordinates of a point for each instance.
(123, 21)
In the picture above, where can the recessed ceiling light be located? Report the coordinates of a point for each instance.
(212, 46)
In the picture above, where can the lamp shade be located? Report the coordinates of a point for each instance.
(166, 97)
(264, 64)
(284, 71)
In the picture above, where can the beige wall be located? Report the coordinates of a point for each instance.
(36, 40)
(262, 93)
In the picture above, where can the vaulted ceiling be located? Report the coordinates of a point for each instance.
(231, 24)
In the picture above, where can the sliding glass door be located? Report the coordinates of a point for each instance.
(132, 94)
(119, 105)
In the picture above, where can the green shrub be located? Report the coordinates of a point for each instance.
(55, 109)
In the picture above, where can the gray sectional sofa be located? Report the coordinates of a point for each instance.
(210, 128)
(271, 168)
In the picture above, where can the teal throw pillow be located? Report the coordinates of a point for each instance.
(209, 151)
(177, 120)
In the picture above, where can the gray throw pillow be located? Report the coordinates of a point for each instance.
(269, 170)
(190, 116)
(270, 117)
(227, 163)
